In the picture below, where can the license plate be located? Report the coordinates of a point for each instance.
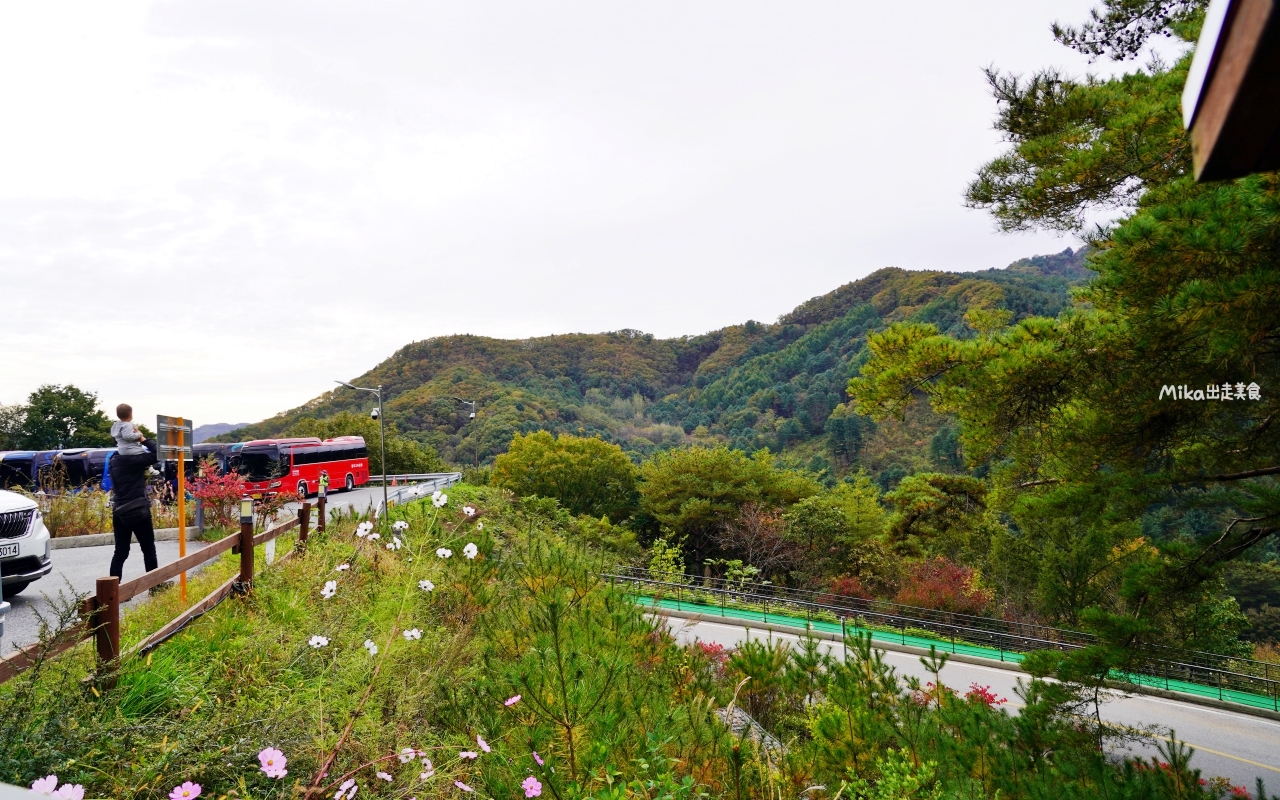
(256, 496)
(7, 550)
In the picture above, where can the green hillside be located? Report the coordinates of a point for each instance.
(752, 386)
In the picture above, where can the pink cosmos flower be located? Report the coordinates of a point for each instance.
(186, 791)
(69, 792)
(468, 754)
(538, 758)
(273, 762)
(347, 789)
(511, 701)
(45, 785)
(531, 787)
(463, 786)
(483, 744)
(384, 776)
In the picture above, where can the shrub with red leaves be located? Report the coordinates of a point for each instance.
(220, 495)
(944, 586)
(850, 587)
(984, 695)
(715, 653)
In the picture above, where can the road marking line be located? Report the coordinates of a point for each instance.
(995, 669)
(1219, 753)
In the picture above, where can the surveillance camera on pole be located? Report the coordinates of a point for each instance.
(382, 439)
(471, 416)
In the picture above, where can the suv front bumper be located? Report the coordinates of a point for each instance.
(24, 569)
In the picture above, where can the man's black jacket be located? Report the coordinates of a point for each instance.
(129, 479)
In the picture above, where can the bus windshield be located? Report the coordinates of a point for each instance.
(260, 464)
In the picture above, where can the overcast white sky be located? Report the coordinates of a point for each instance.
(214, 208)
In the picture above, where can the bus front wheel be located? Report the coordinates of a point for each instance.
(351, 482)
(302, 489)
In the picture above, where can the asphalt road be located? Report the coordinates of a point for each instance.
(1239, 747)
(75, 571)
(361, 499)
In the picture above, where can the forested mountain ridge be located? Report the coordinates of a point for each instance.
(752, 385)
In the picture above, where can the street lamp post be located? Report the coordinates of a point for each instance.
(382, 438)
(472, 403)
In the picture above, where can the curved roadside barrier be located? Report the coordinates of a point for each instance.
(1250, 684)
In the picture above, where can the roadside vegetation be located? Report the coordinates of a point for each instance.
(470, 648)
(996, 444)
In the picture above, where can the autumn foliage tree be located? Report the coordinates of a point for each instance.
(944, 586)
(220, 494)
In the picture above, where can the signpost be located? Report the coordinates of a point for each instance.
(175, 440)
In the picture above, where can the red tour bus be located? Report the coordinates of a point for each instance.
(270, 466)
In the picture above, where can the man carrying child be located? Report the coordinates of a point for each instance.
(131, 511)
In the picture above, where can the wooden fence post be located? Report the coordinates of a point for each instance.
(107, 622)
(246, 556)
(320, 503)
(304, 522)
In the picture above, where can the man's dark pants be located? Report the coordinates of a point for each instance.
(130, 524)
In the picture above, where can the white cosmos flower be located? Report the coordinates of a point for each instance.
(480, 526)
(400, 525)
(426, 585)
(374, 536)
(470, 551)
(347, 788)
(428, 769)
(439, 499)
(407, 754)
(469, 511)
(319, 641)
(342, 568)
(412, 634)
(444, 552)
(371, 647)
(329, 590)
(395, 544)
(385, 777)
(362, 530)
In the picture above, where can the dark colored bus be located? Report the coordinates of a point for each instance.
(220, 452)
(15, 469)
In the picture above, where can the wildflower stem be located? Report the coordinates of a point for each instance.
(312, 789)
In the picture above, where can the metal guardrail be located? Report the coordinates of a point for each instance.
(427, 484)
(852, 606)
(415, 476)
(1007, 639)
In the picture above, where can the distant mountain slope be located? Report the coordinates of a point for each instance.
(203, 433)
(752, 385)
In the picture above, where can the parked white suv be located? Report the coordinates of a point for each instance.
(24, 543)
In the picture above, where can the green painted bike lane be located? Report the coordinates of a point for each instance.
(948, 646)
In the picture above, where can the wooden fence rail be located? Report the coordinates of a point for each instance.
(100, 613)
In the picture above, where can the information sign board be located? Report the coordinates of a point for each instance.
(174, 434)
